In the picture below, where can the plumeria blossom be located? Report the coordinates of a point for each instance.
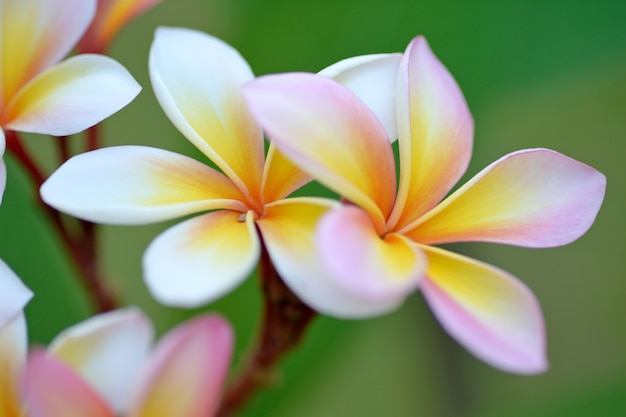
(111, 16)
(38, 93)
(379, 247)
(103, 367)
(197, 80)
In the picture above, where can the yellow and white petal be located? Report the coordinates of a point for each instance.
(362, 262)
(107, 351)
(14, 295)
(281, 177)
(186, 373)
(373, 79)
(71, 96)
(435, 131)
(534, 198)
(111, 16)
(201, 259)
(329, 133)
(13, 346)
(137, 185)
(51, 389)
(36, 34)
(288, 229)
(197, 79)
(488, 311)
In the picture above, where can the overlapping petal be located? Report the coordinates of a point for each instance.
(330, 134)
(36, 34)
(13, 294)
(51, 389)
(535, 198)
(72, 96)
(107, 351)
(197, 79)
(111, 16)
(435, 131)
(281, 177)
(375, 268)
(373, 79)
(137, 185)
(487, 310)
(13, 345)
(187, 370)
(201, 259)
(288, 229)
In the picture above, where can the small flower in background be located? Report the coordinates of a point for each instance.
(379, 246)
(111, 16)
(39, 94)
(197, 79)
(102, 368)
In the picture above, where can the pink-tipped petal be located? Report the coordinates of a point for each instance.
(329, 133)
(435, 131)
(363, 263)
(488, 311)
(14, 295)
(373, 79)
(187, 371)
(534, 198)
(137, 185)
(197, 79)
(51, 389)
(72, 96)
(13, 345)
(281, 177)
(36, 34)
(107, 350)
(111, 16)
(201, 259)
(288, 230)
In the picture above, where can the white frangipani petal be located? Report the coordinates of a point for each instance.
(13, 294)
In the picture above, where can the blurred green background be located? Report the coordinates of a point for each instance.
(535, 73)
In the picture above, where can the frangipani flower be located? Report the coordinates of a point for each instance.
(100, 368)
(379, 247)
(111, 16)
(40, 95)
(197, 79)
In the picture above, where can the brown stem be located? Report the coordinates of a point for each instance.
(64, 148)
(80, 246)
(285, 321)
(93, 137)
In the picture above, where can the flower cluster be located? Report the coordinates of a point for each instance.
(358, 257)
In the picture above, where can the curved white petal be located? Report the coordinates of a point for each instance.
(14, 295)
(373, 79)
(201, 259)
(3, 178)
(108, 351)
(72, 96)
(137, 185)
(288, 230)
(13, 346)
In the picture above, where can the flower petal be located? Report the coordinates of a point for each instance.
(3, 178)
(51, 389)
(534, 198)
(137, 185)
(13, 294)
(107, 350)
(329, 133)
(13, 345)
(36, 34)
(490, 312)
(201, 259)
(187, 370)
(281, 177)
(197, 79)
(72, 96)
(373, 79)
(375, 268)
(435, 130)
(288, 230)
(111, 16)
